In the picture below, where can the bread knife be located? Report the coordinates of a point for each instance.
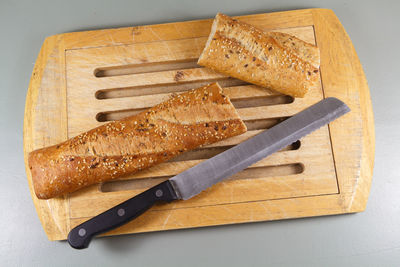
(209, 172)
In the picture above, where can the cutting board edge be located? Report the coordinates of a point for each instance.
(354, 184)
(127, 35)
(53, 213)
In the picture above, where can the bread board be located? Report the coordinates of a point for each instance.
(83, 79)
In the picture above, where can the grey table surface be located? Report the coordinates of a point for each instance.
(370, 238)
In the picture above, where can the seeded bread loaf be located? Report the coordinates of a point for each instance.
(278, 61)
(118, 148)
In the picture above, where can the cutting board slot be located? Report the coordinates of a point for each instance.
(120, 114)
(201, 153)
(206, 153)
(163, 88)
(250, 173)
(262, 101)
(146, 67)
(262, 124)
(135, 184)
(116, 115)
(243, 103)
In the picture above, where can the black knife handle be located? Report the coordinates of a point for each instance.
(80, 236)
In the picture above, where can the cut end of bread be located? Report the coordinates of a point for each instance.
(235, 113)
(210, 37)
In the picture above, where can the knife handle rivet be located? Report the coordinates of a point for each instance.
(121, 212)
(159, 193)
(82, 232)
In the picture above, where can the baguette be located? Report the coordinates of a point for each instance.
(278, 61)
(118, 148)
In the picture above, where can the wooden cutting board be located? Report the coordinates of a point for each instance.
(83, 79)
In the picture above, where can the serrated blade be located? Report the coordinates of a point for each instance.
(194, 180)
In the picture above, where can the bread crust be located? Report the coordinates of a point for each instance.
(278, 61)
(184, 122)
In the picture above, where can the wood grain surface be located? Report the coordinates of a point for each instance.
(81, 80)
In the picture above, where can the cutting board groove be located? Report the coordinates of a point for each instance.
(162, 88)
(251, 173)
(146, 67)
(82, 80)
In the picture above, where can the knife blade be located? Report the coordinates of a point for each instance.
(200, 177)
